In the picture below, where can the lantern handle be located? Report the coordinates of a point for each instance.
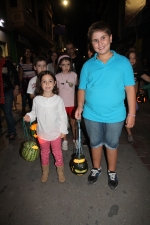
(79, 150)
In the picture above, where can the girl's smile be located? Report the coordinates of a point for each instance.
(47, 84)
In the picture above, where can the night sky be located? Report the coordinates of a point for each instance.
(77, 17)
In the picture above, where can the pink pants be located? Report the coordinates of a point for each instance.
(56, 150)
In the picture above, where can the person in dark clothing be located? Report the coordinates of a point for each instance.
(77, 60)
(139, 73)
(10, 88)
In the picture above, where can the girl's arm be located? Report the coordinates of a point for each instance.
(81, 94)
(145, 77)
(32, 114)
(131, 99)
(63, 119)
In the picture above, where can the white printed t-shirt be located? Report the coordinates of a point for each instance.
(66, 86)
(32, 85)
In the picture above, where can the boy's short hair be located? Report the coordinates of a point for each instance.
(70, 43)
(39, 58)
(98, 26)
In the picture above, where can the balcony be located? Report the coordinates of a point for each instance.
(26, 20)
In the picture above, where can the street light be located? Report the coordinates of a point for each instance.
(65, 2)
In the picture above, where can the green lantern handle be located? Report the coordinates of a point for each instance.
(26, 130)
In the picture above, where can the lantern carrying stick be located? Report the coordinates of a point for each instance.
(79, 150)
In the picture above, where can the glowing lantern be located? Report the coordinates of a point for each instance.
(33, 130)
(141, 96)
(78, 163)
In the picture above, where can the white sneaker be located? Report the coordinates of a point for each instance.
(65, 145)
(76, 143)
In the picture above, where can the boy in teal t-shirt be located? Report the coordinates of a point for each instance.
(104, 80)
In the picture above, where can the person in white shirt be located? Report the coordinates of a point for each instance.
(39, 66)
(49, 110)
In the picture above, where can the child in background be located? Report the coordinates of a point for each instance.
(51, 116)
(66, 82)
(138, 74)
(104, 80)
(26, 72)
(39, 66)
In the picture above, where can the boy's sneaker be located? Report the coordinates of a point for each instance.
(76, 143)
(65, 145)
(130, 139)
(92, 178)
(112, 179)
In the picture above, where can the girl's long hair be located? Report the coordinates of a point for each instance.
(138, 65)
(39, 90)
(24, 57)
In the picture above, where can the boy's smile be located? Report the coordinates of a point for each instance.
(101, 42)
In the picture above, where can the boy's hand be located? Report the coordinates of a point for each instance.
(62, 135)
(78, 113)
(130, 121)
(27, 118)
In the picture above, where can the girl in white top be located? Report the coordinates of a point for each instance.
(51, 116)
(66, 82)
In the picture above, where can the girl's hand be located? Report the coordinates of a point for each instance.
(26, 118)
(78, 113)
(62, 135)
(130, 121)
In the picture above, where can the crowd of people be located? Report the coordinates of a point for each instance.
(101, 92)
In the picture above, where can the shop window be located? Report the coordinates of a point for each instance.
(13, 3)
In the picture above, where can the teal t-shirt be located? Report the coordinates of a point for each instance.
(104, 86)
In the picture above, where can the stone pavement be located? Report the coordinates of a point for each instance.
(24, 200)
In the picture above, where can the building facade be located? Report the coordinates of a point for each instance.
(27, 23)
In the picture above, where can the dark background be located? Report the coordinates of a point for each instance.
(77, 17)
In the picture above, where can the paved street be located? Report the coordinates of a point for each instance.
(24, 200)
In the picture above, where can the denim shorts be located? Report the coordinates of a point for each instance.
(104, 133)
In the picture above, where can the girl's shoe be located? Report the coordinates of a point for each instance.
(60, 172)
(11, 137)
(76, 143)
(65, 145)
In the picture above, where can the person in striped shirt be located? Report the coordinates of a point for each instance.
(26, 72)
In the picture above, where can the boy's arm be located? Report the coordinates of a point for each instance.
(32, 96)
(131, 99)
(81, 94)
